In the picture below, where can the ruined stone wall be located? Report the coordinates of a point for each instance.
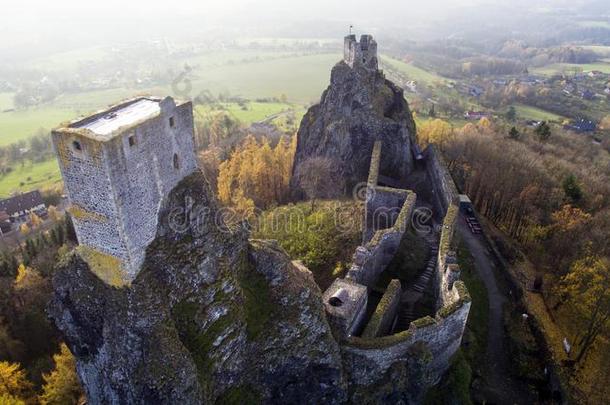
(447, 270)
(383, 204)
(371, 259)
(360, 54)
(346, 316)
(383, 318)
(95, 216)
(419, 355)
(443, 188)
(144, 173)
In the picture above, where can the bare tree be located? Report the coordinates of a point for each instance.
(319, 178)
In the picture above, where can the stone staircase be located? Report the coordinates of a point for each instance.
(414, 293)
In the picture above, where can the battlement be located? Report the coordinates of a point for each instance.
(360, 54)
(118, 165)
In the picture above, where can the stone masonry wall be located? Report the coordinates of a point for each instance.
(383, 319)
(96, 219)
(446, 268)
(140, 196)
(363, 53)
(443, 187)
(116, 187)
(424, 351)
(371, 259)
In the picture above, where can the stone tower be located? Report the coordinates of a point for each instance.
(360, 54)
(118, 165)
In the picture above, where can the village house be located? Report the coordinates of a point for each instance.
(5, 223)
(581, 125)
(19, 207)
(475, 115)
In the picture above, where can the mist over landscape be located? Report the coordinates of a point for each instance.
(304, 202)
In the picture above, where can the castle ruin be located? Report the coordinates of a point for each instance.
(214, 315)
(360, 54)
(386, 331)
(118, 165)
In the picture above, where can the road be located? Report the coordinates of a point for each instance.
(501, 387)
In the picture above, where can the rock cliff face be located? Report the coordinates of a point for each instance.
(359, 107)
(211, 318)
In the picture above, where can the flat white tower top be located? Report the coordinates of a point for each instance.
(130, 114)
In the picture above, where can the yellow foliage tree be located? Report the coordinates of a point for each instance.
(14, 385)
(54, 213)
(62, 386)
(485, 124)
(24, 229)
(605, 123)
(256, 174)
(29, 286)
(436, 131)
(35, 220)
(587, 288)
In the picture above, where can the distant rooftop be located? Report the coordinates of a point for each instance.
(106, 123)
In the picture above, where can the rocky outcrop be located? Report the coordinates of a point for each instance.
(211, 317)
(359, 107)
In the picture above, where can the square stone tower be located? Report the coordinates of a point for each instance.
(360, 54)
(118, 165)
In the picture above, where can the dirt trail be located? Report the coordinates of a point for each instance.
(501, 388)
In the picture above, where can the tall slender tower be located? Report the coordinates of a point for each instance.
(118, 165)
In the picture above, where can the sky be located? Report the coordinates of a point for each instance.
(38, 26)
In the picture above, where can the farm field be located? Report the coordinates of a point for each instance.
(30, 176)
(16, 126)
(300, 78)
(532, 113)
(562, 67)
(411, 71)
(248, 113)
(6, 101)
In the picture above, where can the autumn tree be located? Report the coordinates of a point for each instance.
(256, 174)
(62, 386)
(35, 220)
(14, 385)
(24, 229)
(54, 214)
(435, 131)
(587, 289)
(605, 123)
(569, 224)
(319, 178)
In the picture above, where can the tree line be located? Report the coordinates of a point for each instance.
(35, 366)
(548, 190)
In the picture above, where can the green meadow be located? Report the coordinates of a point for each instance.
(29, 176)
(532, 113)
(411, 71)
(249, 112)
